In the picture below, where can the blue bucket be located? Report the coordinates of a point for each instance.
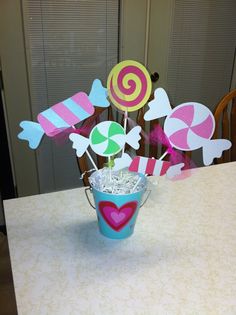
(117, 214)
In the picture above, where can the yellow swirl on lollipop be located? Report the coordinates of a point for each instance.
(129, 85)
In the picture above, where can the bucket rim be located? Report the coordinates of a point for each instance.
(140, 175)
(109, 194)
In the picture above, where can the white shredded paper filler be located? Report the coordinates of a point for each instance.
(116, 182)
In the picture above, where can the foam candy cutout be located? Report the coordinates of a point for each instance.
(133, 137)
(174, 170)
(149, 166)
(80, 143)
(32, 132)
(122, 162)
(106, 139)
(64, 115)
(98, 94)
(159, 106)
(188, 126)
(154, 167)
(129, 85)
(213, 149)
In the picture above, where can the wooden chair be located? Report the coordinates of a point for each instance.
(225, 117)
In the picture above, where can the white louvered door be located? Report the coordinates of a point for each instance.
(69, 43)
(192, 45)
(202, 48)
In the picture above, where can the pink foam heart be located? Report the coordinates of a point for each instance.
(117, 217)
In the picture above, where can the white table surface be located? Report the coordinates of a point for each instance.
(180, 260)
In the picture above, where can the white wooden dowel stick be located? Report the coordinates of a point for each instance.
(89, 156)
(163, 155)
(92, 161)
(125, 127)
(109, 163)
(139, 180)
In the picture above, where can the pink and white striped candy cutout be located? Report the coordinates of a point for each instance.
(65, 114)
(149, 166)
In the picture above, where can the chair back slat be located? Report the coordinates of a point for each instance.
(101, 160)
(225, 133)
(153, 148)
(141, 122)
(83, 167)
(110, 114)
(233, 130)
(226, 122)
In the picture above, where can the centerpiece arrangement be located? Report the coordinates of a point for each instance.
(118, 188)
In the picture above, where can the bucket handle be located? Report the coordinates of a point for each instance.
(90, 190)
(147, 191)
(88, 198)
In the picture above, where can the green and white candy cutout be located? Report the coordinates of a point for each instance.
(107, 138)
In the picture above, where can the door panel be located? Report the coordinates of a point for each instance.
(16, 95)
(69, 44)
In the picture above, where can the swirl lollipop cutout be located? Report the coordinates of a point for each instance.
(129, 85)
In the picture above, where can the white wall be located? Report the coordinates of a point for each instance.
(2, 221)
(16, 94)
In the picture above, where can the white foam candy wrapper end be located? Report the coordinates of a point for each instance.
(116, 182)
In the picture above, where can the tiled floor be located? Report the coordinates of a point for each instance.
(7, 295)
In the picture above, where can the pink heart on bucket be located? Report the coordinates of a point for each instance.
(117, 217)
